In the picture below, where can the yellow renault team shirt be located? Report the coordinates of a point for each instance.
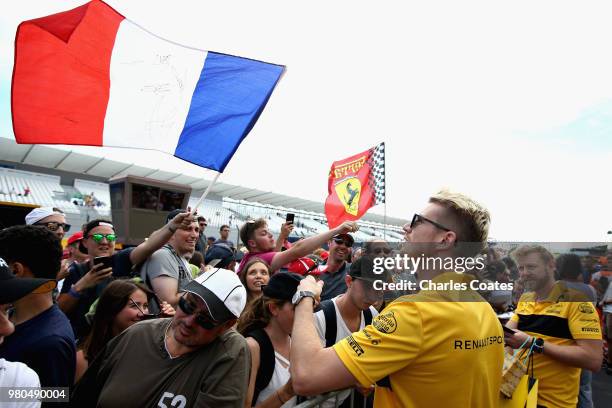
(566, 315)
(431, 349)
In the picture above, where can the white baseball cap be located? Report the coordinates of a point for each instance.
(39, 213)
(221, 291)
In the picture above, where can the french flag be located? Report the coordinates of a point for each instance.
(89, 76)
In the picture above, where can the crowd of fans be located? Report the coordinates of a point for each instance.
(185, 320)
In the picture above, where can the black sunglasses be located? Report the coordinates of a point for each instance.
(54, 226)
(346, 243)
(418, 218)
(379, 251)
(206, 322)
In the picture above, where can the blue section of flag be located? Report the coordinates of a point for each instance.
(228, 99)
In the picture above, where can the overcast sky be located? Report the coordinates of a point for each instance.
(510, 102)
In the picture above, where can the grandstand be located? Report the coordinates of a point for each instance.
(35, 189)
(77, 184)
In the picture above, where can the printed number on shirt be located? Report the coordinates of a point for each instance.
(178, 401)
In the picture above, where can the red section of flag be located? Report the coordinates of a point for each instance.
(61, 76)
(350, 192)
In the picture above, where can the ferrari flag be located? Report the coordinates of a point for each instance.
(90, 76)
(355, 184)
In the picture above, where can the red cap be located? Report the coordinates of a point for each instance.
(77, 236)
(302, 266)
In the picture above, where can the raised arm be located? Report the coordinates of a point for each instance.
(160, 237)
(314, 369)
(310, 244)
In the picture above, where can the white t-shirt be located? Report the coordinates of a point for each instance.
(18, 375)
(342, 331)
(279, 378)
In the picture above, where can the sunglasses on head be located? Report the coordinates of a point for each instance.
(346, 243)
(206, 322)
(379, 251)
(54, 226)
(99, 237)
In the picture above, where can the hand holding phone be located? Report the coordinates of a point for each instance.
(107, 261)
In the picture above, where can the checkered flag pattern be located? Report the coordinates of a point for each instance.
(377, 173)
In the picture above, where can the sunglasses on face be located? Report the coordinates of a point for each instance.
(380, 251)
(54, 226)
(206, 322)
(340, 241)
(418, 219)
(99, 237)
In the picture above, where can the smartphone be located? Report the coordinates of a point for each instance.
(290, 218)
(107, 261)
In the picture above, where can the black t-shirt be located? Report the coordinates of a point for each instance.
(135, 370)
(335, 283)
(44, 343)
(122, 266)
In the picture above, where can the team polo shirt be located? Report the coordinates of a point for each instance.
(430, 349)
(566, 315)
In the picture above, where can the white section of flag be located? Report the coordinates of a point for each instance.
(152, 84)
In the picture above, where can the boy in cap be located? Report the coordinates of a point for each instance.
(43, 338)
(16, 374)
(192, 359)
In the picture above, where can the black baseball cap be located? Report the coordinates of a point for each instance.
(221, 251)
(13, 288)
(282, 285)
(363, 268)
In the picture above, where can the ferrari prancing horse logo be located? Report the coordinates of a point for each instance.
(349, 192)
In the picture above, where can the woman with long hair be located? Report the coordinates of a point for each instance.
(266, 324)
(254, 276)
(121, 304)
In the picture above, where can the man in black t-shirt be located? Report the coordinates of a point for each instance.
(43, 339)
(334, 271)
(194, 359)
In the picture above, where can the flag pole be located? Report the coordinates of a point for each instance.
(199, 202)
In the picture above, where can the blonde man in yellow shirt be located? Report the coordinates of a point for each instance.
(561, 324)
(423, 350)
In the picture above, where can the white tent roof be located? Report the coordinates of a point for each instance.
(50, 157)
